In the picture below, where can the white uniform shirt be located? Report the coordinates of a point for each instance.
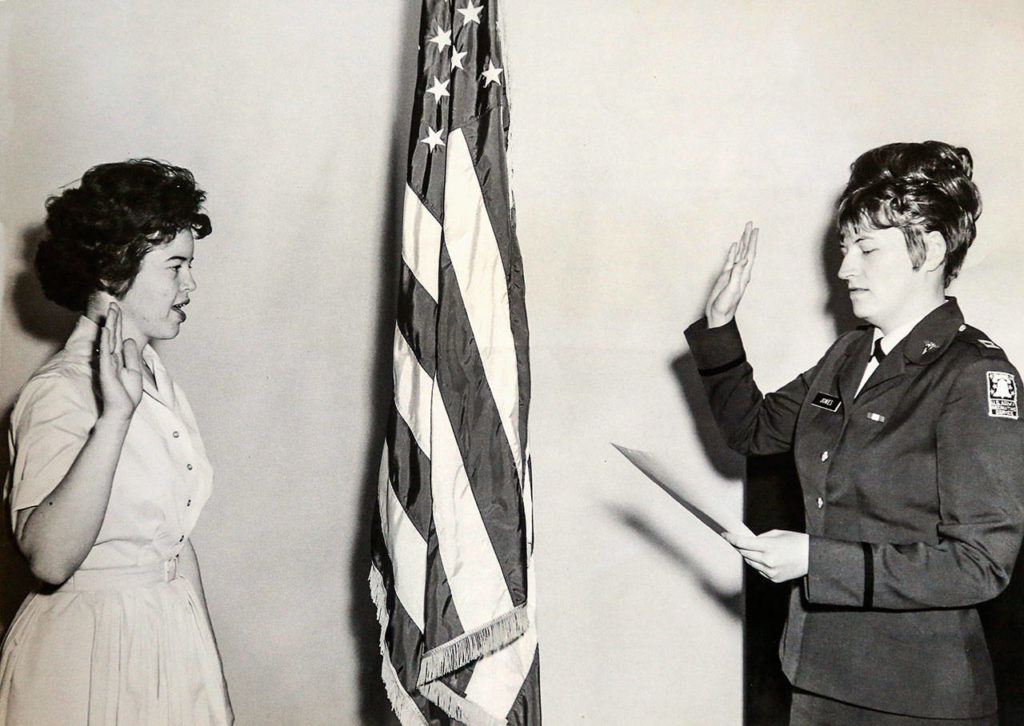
(163, 477)
(890, 341)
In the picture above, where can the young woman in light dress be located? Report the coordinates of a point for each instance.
(109, 474)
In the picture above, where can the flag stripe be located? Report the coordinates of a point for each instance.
(526, 709)
(408, 473)
(417, 319)
(409, 565)
(490, 160)
(474, 573)
(498, 678)
(478, 266)
(413, 387)
(421, 241)
(408, 703)
(484, 451)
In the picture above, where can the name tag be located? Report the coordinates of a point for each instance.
(826, 401)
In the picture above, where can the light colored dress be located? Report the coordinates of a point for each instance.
(125, 640)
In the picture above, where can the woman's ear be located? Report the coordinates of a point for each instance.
(935, 251)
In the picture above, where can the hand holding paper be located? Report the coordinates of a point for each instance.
(779, 554)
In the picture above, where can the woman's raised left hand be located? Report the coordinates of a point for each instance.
(120, 368)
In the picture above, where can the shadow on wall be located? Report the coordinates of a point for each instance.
(374, 707)
(837, 306)
(726, 461)
(731, 602)
(45, 321)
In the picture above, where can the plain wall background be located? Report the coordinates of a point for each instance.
(644, 135)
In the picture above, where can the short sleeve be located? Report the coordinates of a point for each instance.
(49, 426)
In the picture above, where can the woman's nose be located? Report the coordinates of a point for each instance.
(848, 267)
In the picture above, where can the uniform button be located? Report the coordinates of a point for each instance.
(188, 503)
(181, 538)
(821, 502)
(176, 434)
(824, 456)
(189, 467)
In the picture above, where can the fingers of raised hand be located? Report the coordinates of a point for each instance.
(104, 352)
(132, 357)
(744, 243)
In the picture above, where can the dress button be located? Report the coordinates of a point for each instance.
(824, 456)
(181, 538)
(189, 467)
(821, 502)
(188, 503)
(176, 434)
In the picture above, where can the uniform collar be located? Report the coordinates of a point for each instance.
(930, 337)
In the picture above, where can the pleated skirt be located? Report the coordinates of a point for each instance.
(127, 647)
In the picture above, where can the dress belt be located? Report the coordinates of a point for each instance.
(121, 578)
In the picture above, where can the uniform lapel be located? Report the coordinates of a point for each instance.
(852, 368)
(924, 344)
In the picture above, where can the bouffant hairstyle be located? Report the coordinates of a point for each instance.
(918, 188)
(98, 232)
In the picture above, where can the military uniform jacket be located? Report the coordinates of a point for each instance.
(913, 493)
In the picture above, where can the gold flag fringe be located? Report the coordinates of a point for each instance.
(401, 702)
(495, 635)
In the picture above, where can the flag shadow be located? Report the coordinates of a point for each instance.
(731, 602)
(374, 707)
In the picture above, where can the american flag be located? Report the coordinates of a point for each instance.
(452, 572)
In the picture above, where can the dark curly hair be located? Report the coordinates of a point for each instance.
(918, 188)
(99, 232)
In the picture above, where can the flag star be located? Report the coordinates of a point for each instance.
(433, 138)
(443, 39)
(471, 13)
(439, 90)
(492, 73)
(457, 56)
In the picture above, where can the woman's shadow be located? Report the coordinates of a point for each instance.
(47, 322)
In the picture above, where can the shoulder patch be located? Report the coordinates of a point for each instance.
(988, 343)
(1002, 394)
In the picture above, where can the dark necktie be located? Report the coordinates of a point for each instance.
(878, 354)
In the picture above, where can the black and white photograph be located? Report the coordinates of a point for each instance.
(508, 362)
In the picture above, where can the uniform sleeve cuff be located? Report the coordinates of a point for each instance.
(715, 350)
(839, 573)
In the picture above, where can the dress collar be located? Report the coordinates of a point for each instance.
(84, 340)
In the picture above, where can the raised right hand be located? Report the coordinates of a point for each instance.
(120, 368)
(732, 281)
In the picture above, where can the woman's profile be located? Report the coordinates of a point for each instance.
(908, 446)
(108, 471)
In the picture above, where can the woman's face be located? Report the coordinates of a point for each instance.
(152, 307)
(885, 289)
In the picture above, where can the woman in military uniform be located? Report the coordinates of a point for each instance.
(909, 449)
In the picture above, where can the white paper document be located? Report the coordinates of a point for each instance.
(697, 501)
